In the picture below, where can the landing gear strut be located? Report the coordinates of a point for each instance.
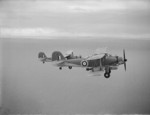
(107, 72)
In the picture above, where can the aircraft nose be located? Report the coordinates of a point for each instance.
(125, 60)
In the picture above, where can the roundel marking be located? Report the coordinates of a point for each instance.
(84, 63)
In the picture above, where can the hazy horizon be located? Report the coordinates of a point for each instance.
(29, 86)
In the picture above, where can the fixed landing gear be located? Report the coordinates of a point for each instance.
(70, 67)
(60, 68)
(43, 62)
(107, 75)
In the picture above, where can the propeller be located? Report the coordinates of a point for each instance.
(124, 57)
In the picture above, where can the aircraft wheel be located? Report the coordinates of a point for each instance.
(70, 67)
(107, 75)
(43, 62)
(60, 68)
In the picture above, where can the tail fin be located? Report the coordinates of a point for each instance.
(41, 55)
(57, 55)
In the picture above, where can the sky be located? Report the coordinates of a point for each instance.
(31, 87)
(127, 19)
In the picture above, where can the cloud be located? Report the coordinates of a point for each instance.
(35, 33)
(78, 6)
(29, 32)
(96, 6)
(91, 6)
(74, 6)
(86, 18)
(48, 33)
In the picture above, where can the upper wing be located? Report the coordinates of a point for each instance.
(95, 57)
(98, 54)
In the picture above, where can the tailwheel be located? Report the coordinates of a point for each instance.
(70, 67)
(107, 75)
(60, 68)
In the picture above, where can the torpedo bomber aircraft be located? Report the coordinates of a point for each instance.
(94, 63)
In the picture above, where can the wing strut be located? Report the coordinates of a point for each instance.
(100, 64)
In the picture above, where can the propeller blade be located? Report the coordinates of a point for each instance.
(123, 53)
(125, 66)
(124, 56)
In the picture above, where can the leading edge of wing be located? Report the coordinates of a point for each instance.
(95, 57)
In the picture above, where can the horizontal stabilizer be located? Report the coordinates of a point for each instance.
(43, 57)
